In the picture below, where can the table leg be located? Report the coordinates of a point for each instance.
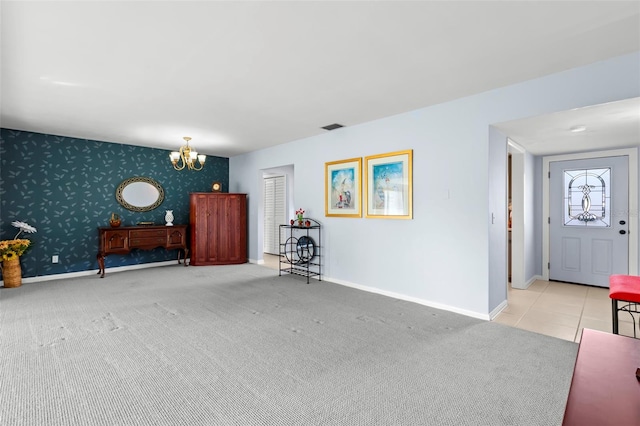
(614, 312)
(186, 253)
(100, 258)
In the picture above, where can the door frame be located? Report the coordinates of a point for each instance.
(632, 154)
(517, 210)
(288, 172)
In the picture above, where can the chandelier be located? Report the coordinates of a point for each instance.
(186, 157)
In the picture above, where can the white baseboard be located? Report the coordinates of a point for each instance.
(505, 303)
(256, 262)
(400, 296)
(528, 283)
(95, 271)
(498, 309)
(532, 280)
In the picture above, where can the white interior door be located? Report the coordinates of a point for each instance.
(274, 212)
(588, 220)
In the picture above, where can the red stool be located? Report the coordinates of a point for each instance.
(626, 289)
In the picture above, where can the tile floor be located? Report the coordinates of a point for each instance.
(562, 310)
(271, 260)
(552, 308)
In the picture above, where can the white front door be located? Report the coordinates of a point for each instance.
(588, 223)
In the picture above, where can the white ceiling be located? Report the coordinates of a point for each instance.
(607, 126)
(240, 76)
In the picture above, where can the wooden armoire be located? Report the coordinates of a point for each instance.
(218, 228)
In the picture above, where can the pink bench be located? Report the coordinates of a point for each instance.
(604, 389)
(625, 289)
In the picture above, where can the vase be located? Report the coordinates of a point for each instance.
(300, 222)
(169, 217)
(12, 273)
(115, 220)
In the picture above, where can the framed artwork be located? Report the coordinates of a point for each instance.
(343, 188)
(389, 183)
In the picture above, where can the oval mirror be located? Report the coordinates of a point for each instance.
(139, 194)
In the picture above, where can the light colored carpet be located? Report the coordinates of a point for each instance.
(238, 345)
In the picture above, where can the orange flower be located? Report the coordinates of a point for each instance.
(11, 248)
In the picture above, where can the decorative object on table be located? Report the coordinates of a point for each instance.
(10, 252)
(186, 157)
(343, 188)
(307, 223)
(216, 187)
(389, 183)
(145, 223)
(169, 217)
(300, 216)
(292, 222)
(115, 220)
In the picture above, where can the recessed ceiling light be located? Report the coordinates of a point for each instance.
(332, 126)
(580, 128)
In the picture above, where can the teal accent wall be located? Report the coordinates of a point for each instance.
(65, 187)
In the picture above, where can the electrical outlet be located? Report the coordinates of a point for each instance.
(54, 259)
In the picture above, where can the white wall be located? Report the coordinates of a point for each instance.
(442, 256)
(498, 217)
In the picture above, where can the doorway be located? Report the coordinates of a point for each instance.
(589, 214)
(275, 207)
(632, 225)
(517, 213)
(275, 212)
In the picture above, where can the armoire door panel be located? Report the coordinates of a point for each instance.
(221, 232)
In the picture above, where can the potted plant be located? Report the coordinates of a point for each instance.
(10, 252)
(300, 216)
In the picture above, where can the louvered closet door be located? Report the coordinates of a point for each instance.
(274, 212)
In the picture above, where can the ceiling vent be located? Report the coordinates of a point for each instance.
(332, 126)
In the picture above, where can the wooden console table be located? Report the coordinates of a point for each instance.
(604, 389)
(123, 239)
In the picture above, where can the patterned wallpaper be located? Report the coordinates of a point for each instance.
(65, 187)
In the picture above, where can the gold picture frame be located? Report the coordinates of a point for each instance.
(389, 185)
(343, 188)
